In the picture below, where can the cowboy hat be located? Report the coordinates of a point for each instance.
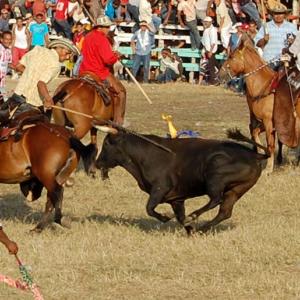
(103, 21)
(64, 43)
(208, 19)
(279, 8)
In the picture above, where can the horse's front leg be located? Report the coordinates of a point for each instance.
(270, 136)
(46, 216)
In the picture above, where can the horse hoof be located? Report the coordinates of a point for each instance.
(66, 222)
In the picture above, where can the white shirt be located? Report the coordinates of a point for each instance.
(210, 37)
(145, 11)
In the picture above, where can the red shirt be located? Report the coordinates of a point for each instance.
(61, 10)
(97, 54)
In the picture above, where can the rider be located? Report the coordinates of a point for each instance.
(38, 67)
(98, 57)
(11, 246)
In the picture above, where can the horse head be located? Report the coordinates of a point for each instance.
(235, 63)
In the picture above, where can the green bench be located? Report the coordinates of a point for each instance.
(191, 66)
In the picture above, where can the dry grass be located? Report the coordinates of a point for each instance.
(115, 251)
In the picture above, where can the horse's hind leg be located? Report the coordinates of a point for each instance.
(68, 168)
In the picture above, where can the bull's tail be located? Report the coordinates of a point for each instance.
(87, 153)
(236, 134)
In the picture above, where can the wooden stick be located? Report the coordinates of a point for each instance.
(264, 16)
(73, 111)
(138, 85)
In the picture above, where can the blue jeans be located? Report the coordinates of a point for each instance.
(194, 34)
(168, 76)
(77, 65)
(251, 10)
(137, 61)
(64, 27)
(134, 13)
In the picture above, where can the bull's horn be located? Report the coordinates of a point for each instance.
(106, 129)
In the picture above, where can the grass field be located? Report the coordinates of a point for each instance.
(113, 250)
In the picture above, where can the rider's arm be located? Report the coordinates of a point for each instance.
(11, 246)
(44, 93)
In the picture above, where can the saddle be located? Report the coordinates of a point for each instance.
(24, 116)
(102, 87)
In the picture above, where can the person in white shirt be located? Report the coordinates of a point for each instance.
(224, 22)
(210, 46)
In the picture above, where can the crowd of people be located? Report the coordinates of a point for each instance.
(35, 21)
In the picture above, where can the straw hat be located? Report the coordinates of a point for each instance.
(64, 43)
(103, 21)
(279, 8)
(208, 19)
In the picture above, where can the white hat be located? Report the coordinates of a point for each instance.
(104, 21)
(64, 43)
(207, 19)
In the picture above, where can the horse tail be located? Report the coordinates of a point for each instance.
(88, 153)
(236, 134)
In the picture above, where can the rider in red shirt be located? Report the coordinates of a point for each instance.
(98, 59)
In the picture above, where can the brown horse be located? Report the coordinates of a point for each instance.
(43, 155)
(260, 80)
(81, 96)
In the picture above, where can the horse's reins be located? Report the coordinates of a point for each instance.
(113, 124)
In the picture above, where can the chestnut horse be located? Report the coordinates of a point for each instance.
(260, 78)
(43, 155)
(82, 97)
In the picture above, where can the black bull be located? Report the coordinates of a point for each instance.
(223, 170)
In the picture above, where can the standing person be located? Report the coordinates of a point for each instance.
(249, 8)
(133, 10)
(11, 246)
(201, 9)
(39, 67)
(4, 19)
(278, 30)
(210, 46)
(5, 60)
(60, 23)
(141, 48)
(39, 32)
(188, 8)
(20, 42)
(39, 7)
(98, 58)
(224, 22)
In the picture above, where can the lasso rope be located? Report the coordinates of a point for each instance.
(26, 284)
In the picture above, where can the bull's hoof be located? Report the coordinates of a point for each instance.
(69, 182)
(66, 222)
(190, 230)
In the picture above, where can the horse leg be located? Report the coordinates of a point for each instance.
(47, 214)
(31, 189)
(255, 128)
(270, 135)
(279, 153)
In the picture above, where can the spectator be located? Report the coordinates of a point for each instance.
(39, 7)
(168, 12)
(20, 42)
(274, 41)
(29, 20)
(95, 8)
(210, 46)
(141, 48)
(11, 246)
(5, 59)
(201, 8)
(39, 32)
(249, 8)
(4, 19)
(252, 31)
(169, 67)
(188, 8)
(122, 11)
(133, 9)
(78, 39)
(60, 23)
(75, 12)
(51, 5)
(145, 14)
(223, 21)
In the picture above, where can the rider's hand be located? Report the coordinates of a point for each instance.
(12, 247)
(48, 102)
(266, 37)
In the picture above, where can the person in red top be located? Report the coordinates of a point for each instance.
(61, 24)
(98, 59)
